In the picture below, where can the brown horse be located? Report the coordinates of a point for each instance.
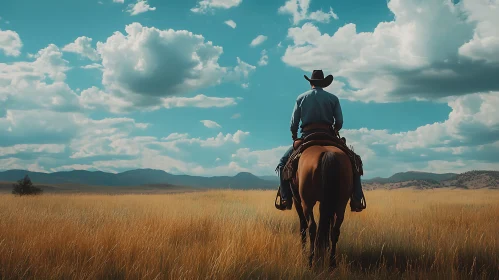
(324, 175)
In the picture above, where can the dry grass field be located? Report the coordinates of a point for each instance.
(403, 234)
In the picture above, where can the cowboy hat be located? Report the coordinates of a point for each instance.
(317, 79)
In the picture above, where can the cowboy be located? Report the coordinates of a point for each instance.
(318, 111)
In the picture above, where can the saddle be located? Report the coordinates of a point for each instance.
(319, 139)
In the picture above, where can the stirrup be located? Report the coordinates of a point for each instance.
(280, 205)
(363, 203)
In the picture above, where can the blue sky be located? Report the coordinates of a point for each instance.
(207, 87)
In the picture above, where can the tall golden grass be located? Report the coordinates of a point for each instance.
(409, 234)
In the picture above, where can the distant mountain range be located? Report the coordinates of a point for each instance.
(139, 177)
(412, 175)
(477, 179)
(152, 178)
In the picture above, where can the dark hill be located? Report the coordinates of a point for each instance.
(139, 177)
(422, 180)
(475, 180)
(412, 176)
(415, 175)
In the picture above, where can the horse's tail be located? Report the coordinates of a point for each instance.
(329, 165)
(330, 169)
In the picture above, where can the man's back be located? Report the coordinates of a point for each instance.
(316, 106)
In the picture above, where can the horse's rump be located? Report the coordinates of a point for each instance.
(324, 164)
(289, 170)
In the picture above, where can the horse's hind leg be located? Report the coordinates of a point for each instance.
(335, 235)
(308, 210)
(326, 213)
(303, 224)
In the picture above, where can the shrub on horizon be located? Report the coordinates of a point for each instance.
(25, 187)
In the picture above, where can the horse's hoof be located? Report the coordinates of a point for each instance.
(332, 265)
(332, 272)
(310, 264)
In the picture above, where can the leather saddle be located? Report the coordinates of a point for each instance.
(316, 136)
(322, 139)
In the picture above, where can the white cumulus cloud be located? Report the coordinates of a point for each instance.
(82, 46)
(259, 161)
(264, 59)
(31, 148)
(205, 6)
(485, 42)
(210, 124)
(217, 141)
(231, 23)
(473, 120)
(199, 101)
(258, 40)
(140, 7)
(94, 98)
(412, 57)
(148, 65)
(299, 10)
(37, 84)
(92, 66)
(242, 70)
(10, 43)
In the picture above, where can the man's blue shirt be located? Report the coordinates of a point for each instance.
(316, 106)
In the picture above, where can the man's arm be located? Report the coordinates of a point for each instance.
(338, 115)
(295, 120)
